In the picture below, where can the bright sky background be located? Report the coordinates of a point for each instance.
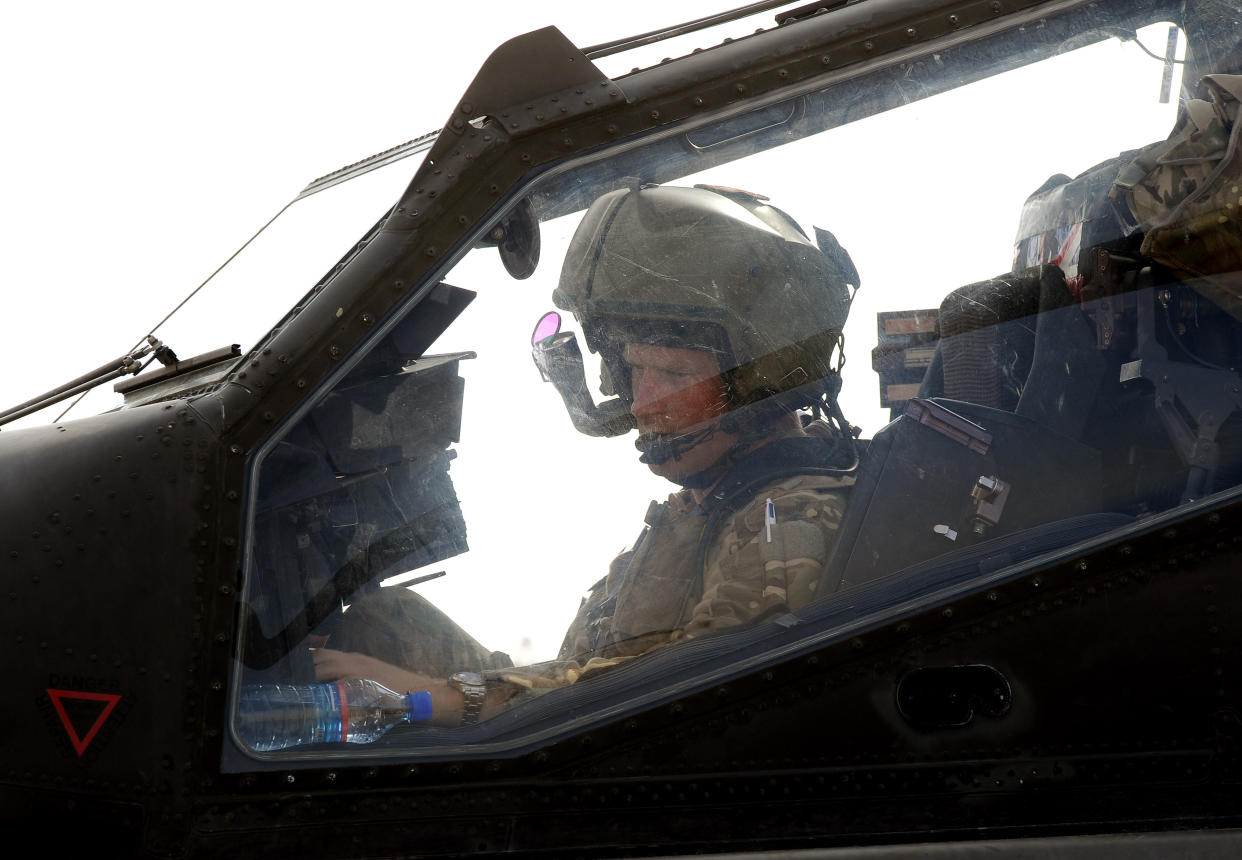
(145, 141)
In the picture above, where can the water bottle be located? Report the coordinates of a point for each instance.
(277, 716)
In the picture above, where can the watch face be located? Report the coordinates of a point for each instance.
(472, 679)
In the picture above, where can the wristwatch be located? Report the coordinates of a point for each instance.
(474, 693)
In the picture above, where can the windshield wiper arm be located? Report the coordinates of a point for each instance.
(129, 363)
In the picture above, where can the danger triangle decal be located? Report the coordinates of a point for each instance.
(103, 705)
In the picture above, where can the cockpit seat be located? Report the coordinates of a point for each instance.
(950, 474)
(961, 565)
(987, 338)
(1018, 343)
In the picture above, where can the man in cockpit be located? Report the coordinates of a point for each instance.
(718, 322)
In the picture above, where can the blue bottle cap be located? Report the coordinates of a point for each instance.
(418, 706)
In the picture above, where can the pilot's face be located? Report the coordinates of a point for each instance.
(676, 390)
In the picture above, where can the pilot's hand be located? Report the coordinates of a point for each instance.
(331, 665)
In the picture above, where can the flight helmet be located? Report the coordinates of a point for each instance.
(715, 269)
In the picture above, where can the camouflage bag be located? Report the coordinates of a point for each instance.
(1186, 193)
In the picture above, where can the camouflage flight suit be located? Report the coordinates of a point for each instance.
(653, 594)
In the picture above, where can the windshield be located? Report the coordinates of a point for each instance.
(895, 335)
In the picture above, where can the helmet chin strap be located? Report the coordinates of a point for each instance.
(659, 448)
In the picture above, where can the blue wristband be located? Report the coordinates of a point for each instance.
(419, 705)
